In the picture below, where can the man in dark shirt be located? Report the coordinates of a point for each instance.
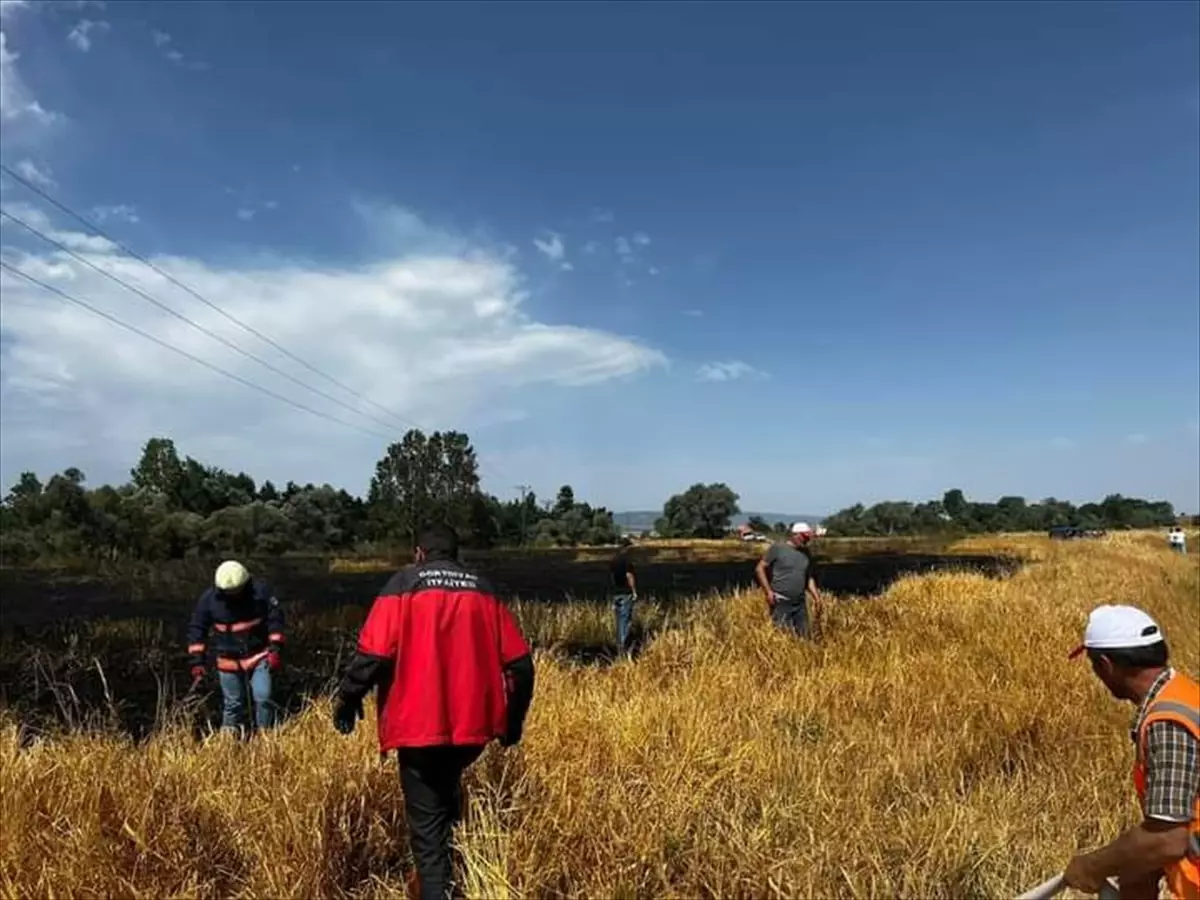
(624, 589)
(785, 574)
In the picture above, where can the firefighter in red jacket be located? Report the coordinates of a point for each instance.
(454, 673)
(247, 622)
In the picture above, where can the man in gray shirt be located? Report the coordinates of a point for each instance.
(785, 575)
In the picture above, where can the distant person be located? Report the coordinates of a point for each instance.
(624, 591)
(1177, 540)
(248, 623)
(454, 673)
(785, 573)
(1129, 655)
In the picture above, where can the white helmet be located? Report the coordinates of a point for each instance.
(231, 576)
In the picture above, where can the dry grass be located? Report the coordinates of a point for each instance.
(935, 742)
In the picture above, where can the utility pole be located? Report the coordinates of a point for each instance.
(524, 490)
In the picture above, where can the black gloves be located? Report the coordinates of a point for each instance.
(346, 714)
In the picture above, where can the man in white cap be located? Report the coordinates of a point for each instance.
(247, 621)
(785, 573)
(1129, 655)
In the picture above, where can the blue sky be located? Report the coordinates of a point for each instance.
(823, 253)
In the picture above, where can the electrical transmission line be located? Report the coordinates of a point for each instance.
(184, 353)
(62, 207)
(190, 322)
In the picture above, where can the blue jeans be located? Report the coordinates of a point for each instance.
(238, 688)
(623, 612)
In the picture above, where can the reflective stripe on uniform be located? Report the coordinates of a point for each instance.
(236, 627)
(1190, 713)
(275, 637)
(225, 664)
(195, 648)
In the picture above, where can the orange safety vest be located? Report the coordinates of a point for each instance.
(1178, 702)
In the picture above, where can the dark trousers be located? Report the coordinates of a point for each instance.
(791, 614)
(433, 803)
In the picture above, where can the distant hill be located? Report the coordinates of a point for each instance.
(643, 519)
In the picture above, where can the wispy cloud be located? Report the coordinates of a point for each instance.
(29, 170)
(245, 213)
(641, 239)
(466, 308)
(166, 45)
(18, 106)
(9, 7)
(591, 247)
(694, 313)
(603, 216)
(552, 247)
(567, 267)
(81, 34)
(120, 213)
(728, 371)
(1137, 438)
(622, 246)
(653, 270)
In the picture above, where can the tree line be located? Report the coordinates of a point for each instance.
(955, 513)
(172, 507)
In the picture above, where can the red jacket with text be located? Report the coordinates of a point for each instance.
(449, 659)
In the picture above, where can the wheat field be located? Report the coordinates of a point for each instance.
(932, 742)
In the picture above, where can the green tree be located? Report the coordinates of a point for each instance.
(702, 511)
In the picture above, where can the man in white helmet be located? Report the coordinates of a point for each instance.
(247, 623)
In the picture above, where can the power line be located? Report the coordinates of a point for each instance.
(184, 353)
(62, 207)
(181, 317)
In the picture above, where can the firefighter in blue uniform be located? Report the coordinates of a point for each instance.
(247, 624)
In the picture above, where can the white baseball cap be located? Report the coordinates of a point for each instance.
(1118, 628)
(801, 528)
(231, 575)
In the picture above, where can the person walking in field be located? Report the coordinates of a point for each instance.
(1129, 655)
(1178, 540)
(785, 573)
(624, 593)
(247, 621)
(453, 673)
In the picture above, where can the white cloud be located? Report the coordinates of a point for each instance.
(18, 107)
(621, 245)
(728, 371)
(122, 212)
(444, 339)
(163, 41)
(591, 247)
(642, 239)
(653, 270)
(603, 216)
(37, 218)
(245, 213)
(81, 34)
(29, 170)
(552, 247)
(567, 267)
